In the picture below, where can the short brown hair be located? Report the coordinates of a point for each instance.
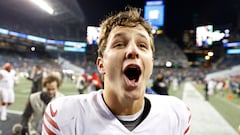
(51, 78)
(131, 17)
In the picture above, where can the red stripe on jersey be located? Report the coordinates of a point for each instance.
(185, 132)
(51, 121)
(189, 118)
(49, 132)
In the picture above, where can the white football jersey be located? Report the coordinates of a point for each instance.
(5, 82)
(87, 114)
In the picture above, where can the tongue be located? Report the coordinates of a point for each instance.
(131, 83)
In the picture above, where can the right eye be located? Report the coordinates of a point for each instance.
(120, 44)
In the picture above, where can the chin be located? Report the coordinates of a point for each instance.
(133, 94)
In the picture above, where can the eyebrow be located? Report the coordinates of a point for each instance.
(122, 34)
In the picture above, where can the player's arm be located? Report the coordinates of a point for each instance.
(184, 117)
(36, 78)
(60, 117)
(187, 121)
(49, 125)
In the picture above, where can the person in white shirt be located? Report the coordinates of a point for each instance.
(125, 61)
(6, 89)
(82, 84)
(211, 87)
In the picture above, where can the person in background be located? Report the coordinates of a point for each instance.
(175, 83)
(96, 80)
(159, 85)
(82, 83)
(32, 118)
(206, 90)
(7, 77)
(211, 87)
(125, 60)
(36, 79)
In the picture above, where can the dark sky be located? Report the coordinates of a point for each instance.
(187, 14)
(179, 14)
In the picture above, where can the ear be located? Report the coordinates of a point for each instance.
(100, 66)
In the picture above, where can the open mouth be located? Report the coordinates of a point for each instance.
(132, 72)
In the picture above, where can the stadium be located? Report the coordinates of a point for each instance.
(192, 56)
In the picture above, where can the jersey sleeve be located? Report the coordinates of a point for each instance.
(50, 125)
(184, 115)
(61, 116)
(186, 121)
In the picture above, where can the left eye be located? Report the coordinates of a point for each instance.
(119, 45)
(142, 46)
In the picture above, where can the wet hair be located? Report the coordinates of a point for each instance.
(131, 17)
(51, 78)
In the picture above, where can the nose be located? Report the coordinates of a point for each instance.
(132, 51)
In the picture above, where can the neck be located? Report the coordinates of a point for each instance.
(120, 106)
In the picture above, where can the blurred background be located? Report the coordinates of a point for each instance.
(197, 43)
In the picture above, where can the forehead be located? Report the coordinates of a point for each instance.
(52, 84)
(125, 30)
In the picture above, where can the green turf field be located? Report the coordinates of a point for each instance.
(178, 93)
(22, 90)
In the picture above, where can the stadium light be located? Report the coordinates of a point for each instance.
(207, 57)
(210, 54)
(168, 63)
(44, 5)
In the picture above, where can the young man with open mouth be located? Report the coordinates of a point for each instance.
(125, 60)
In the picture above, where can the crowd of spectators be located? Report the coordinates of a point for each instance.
(168, 51)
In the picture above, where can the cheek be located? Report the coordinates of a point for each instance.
(149, 64)
(50, 92)
(111, 62)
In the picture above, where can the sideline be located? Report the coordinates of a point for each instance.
(15, 112)
(205, 119)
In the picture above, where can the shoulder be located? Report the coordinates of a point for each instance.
(65, 110)
(34, 95)
(164, 98)
(3, 72)
(13, 72)
(168, 102)
(172, 108)
(68, 103)
(35, 99)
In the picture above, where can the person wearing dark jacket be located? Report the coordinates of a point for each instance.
(31, 119)
(36, 79)
(159, 86)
